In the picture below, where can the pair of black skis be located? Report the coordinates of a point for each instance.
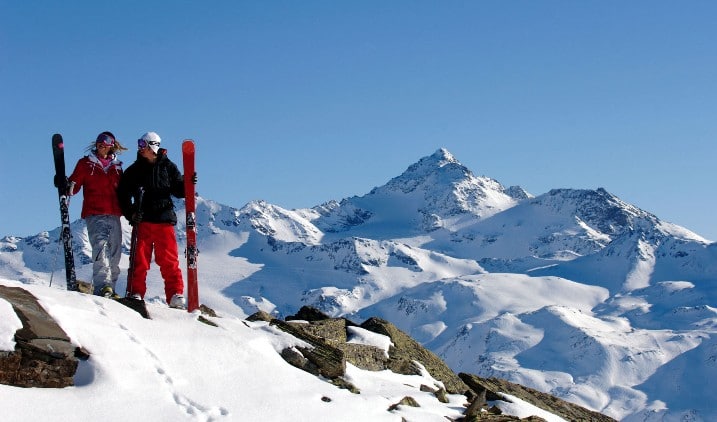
(58, 153)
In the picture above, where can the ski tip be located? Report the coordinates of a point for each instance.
(188, 145)
(57, 140)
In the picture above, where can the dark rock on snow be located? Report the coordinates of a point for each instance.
(44, 356)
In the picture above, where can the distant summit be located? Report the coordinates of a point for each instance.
(441, 161)
(435, 192)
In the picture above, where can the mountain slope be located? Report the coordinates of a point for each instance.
(499, 282)
(173, 368)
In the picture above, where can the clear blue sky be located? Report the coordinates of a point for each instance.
(300, 102)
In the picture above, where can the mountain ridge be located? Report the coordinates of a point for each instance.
(493, 279)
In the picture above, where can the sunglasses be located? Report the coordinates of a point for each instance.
(106, 140)
(142, 144)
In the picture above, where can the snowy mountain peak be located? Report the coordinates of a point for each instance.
(599, 208)
(435, 192)
(442, 163)
(449, 188)
(611, 215)
(444, 156)
(279, 223)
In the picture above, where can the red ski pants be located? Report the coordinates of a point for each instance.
(161, 239)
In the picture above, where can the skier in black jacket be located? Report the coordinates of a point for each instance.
(160, 178)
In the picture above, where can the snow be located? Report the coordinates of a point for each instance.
(362, 336)
(522, 409)
(174, 368)
(10, 324)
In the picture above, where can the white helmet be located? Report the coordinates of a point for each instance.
(150, 139)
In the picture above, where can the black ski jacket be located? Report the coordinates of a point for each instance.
(160, 181)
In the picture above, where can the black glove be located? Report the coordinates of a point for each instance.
(194, 178)
(135, 219)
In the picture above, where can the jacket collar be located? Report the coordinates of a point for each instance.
(114, 160)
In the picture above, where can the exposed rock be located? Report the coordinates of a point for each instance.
(44, 356)
(206, 310)
(499, 418)
(293, 356)
(495, 410)
(333, 331)
(260, 316)
(406, 350)
(329, 360)
(406, 401)
(207, 321)
(342, 383)
(308, 313)
(552, 404)
(440, 393)
(475, 408)
(9, 364)
(364, 356)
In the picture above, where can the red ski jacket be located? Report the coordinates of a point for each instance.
(100, 185)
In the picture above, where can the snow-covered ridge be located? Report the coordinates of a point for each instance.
(500, 282)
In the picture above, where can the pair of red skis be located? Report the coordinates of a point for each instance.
(190, 205)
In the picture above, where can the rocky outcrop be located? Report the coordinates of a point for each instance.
(321, 358)
(405, 351)
(44, 356)
(492, 389)
(329, 352)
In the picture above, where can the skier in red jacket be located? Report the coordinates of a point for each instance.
(98, 174)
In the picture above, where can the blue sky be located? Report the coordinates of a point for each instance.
(301, 102)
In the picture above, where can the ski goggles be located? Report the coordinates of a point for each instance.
(105, 140)
(142, 144)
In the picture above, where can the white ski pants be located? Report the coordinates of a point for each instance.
(105, 235)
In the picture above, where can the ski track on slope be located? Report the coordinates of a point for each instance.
(193, 408)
